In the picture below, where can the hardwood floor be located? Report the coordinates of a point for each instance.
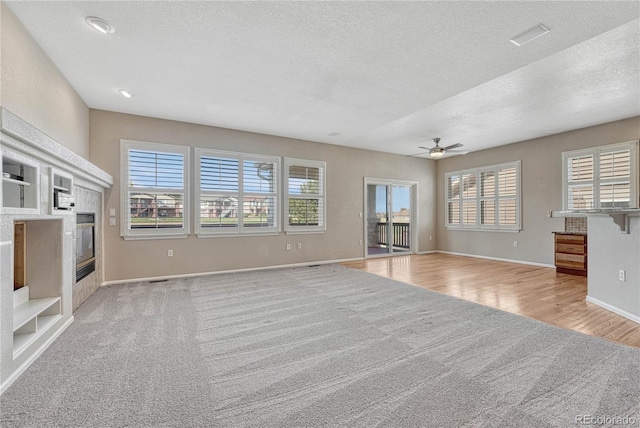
(531, 291)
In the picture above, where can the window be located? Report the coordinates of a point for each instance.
(238, 193)
(600, 178)
(305, 195)
(155, 195)
(485, 198)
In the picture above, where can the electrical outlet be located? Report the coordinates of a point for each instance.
(299, 246)
(112, 221)
(515, 243)
(169, 253)
(622, 275)
(112, 212)
(430, 238)
(288, 246)
(361, 242)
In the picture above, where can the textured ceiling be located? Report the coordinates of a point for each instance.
(388, 76)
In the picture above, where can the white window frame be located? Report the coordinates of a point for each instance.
(240, 230)
(595, 152)
(478, 226)
(322, 196)
(125, 214)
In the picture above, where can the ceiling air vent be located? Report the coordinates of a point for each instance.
(530, 34)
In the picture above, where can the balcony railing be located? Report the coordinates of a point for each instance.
(401, 235)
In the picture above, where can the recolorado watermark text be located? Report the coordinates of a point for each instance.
(605, 420)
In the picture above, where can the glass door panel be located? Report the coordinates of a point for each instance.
(399, 226)
(377, 220)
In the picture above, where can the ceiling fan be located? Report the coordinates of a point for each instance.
(438, 152)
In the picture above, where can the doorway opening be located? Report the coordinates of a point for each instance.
(390, 224)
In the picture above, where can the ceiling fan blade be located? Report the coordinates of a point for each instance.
(453, 146)
(420, 154)
(426, 148)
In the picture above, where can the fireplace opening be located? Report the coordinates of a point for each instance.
(85, 245)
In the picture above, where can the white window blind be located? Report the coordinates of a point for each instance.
(602, 177)
(238, 193)
(155, 197)
(453, 199)
(486, 198)
(305, 198)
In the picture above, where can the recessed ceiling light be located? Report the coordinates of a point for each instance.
(334, 134)
(99, 24)
(125, 93)
(530, 34)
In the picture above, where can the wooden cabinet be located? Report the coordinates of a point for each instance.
(571, 253)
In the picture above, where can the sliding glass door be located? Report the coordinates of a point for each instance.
(389, 217)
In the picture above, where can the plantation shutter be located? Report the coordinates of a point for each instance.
(615, 179)
(238, 193)
(580, 182)
(259, 197)
(469, 200)
(453, 199)
(219, 192)
(305, 195)
(487, 197)
(508, 196)
(156, 189)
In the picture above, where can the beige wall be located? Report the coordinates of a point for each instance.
(541, 191)
(35, 90)
(346, 169)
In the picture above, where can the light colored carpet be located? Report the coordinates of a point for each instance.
(315, 347)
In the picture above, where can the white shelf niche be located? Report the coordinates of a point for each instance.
(21, 188)
(59, 181)
(32, 318)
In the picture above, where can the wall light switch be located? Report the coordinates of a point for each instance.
(112, 221)
(112, 212)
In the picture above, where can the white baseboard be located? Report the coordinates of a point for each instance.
(427, 252)
(191, 275)
(522, 262)
(24, 366)
(614, 309)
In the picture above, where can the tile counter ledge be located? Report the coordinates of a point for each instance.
(559, 232)
(620, 216)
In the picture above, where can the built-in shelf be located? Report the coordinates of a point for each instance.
(19, 196)
(61, 200)
(18, 182)
(31, 319)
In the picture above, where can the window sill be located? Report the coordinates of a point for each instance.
(236, 235)
(147, 237)
(475, 229)
(304, 232)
